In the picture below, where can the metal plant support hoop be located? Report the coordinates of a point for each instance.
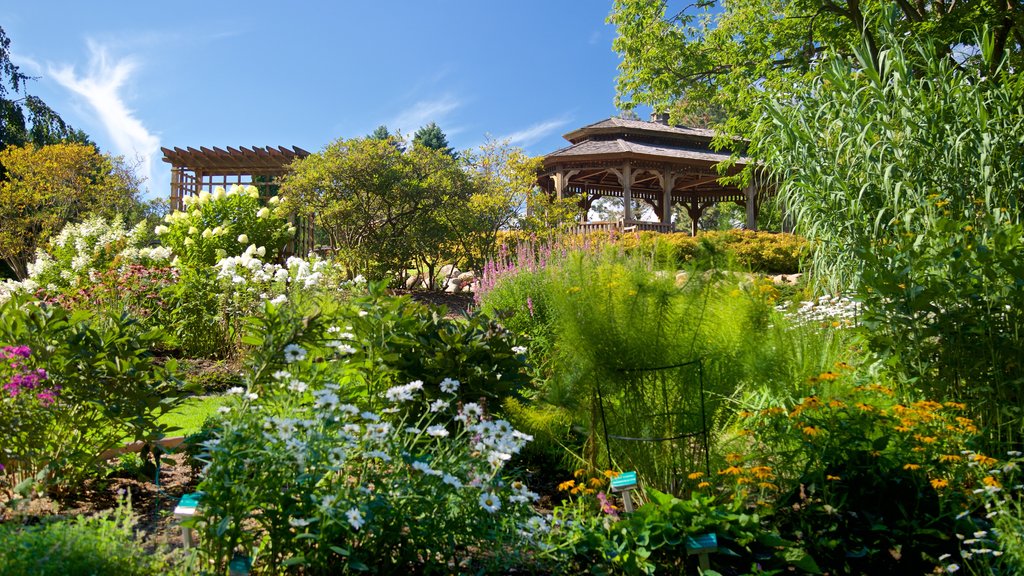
(672, 418)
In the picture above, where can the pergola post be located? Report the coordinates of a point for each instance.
(627, 194)
(176, 190)
(751, 193)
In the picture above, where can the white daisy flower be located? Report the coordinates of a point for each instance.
(294, 353)
(355, 518)
(449, 385)
(437, 431)
(490, 502)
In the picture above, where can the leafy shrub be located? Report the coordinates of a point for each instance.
(323, 485)
(82, 250)
(222, 224)
(80, 385)
(869, 483)
(104, 544)
(765, 252)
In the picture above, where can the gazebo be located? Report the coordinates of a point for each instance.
(654, 162)
(193, 170)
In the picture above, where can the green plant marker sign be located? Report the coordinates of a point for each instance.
(702, 545)
(625, 483)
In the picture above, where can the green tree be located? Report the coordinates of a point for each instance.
(369, 196)
(431, 136)
(382, 133)
(25, 118)
(737, 56)
(503, 179)
(49, 187)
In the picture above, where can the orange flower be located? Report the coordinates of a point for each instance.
(811, 430)
(836, 404)
(864, 407)
(768, 486)
(828, 375)
(579, 473)
(731, 470)
(832, 478)
(956, 405)
(703, 484)
(925, 439)
(733, 458)
(695, 475)
(983, 460)
(596, 482)
(745, 414)
(949, 458)
(610, 473)
(911, 466)
(939, 483)
(567, 485)
(762, 472)
(991, 481)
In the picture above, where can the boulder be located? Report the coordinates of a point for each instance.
(466, 277)
(448, 271)
(414, 281)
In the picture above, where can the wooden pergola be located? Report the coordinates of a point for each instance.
(653, 162)
(194, 170)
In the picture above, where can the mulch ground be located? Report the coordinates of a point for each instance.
(152, 504)
(457, 304)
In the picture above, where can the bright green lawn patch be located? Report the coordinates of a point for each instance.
(189, 417)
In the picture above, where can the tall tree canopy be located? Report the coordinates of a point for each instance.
(733, 55)
(26, 119)
(431, 136)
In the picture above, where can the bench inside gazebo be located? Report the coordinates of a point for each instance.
(653, 162)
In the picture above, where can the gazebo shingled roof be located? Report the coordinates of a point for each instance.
(653, 162)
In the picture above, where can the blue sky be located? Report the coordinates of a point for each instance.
(140, 75)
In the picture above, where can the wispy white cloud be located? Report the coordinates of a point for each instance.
(424, 112)
(532, 134)
(101, 86)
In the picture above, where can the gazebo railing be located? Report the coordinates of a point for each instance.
(622, 225)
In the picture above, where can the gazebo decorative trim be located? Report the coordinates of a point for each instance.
(654, 162)
(193, 170)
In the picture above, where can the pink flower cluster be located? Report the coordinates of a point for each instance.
(26, 379)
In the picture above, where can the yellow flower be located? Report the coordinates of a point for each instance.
(703, 484)
(832, 478)
(864, 407)
(568, 484)
(949, 458)
(911, 466)
(925, 439)
(579, 473)
(610, 473)
(811, 430)
(695, 475)
(939, 483)
(596, 482)
(762, 472)
(768, 486)
(731, 470)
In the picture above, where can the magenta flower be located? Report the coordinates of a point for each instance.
(606, 506)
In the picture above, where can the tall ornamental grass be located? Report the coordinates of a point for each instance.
(905, 170)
